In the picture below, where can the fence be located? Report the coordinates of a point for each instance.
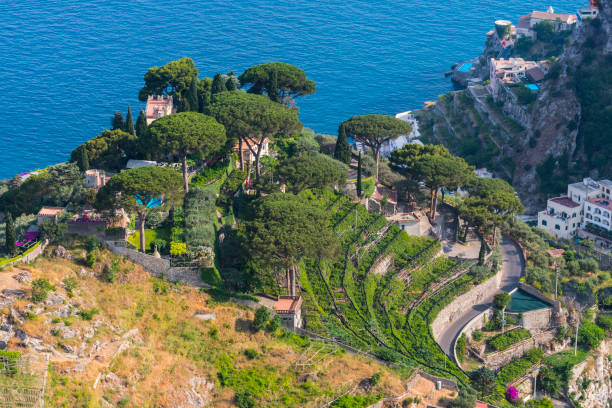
(23, 380)
(36, 250)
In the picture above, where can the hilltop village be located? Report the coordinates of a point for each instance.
(211, 251)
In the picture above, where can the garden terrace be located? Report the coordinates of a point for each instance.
(383, 290)
(505, 340)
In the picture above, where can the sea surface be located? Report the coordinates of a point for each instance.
(67, 65)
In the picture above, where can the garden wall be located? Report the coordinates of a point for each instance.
(539, 319)
(458, 307)
(30, 256)
(496, 360)
(158, 267)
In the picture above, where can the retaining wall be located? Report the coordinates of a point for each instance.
(539, 319)
(496, 360)
(159, 267)
(464, 302)
(30, 256)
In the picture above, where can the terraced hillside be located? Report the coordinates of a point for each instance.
(381, 293)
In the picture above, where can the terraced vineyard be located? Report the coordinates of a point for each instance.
(383, 290)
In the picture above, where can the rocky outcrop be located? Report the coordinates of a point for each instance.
(591, 384)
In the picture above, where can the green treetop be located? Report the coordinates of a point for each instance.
(374, 130)
(83, 161)
(140, 191)
(290, 81)
(129, 122)
(251, 119)
(314, 170)
(172, 79)
(10, 237)
(192, 100)
(141, 125)
(218, 84)
(186, 133)
(285, 228)
(342, 151)
(117, 121)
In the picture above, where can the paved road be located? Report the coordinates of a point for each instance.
(511, 273)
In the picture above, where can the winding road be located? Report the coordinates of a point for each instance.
(512, 270)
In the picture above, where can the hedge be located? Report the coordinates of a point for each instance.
(507, 339)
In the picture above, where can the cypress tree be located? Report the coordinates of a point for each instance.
(359, 188)
(10, 237)
(83, 160)
(117, 121)
(343, 149)
(273, 92)
(129, 122)
(230, 84)
(192, 96)
(483, 251)
(141, 125)
(218, 84)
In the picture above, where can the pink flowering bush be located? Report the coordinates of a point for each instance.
(512, 395)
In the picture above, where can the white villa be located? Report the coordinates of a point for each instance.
(508, 71)
(560, 22)
(586, 202)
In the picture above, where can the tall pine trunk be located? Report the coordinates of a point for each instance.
(432, 203)
(142, 216)
(185, 178)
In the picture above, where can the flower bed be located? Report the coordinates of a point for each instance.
(507, 339)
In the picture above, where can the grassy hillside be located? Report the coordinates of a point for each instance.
(139, 341)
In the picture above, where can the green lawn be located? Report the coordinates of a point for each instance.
(567, 356)
(150, 235)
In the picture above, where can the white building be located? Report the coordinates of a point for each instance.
(599, 212)
(395, 144)
(585, 203)
(560, 22)
(507, 71)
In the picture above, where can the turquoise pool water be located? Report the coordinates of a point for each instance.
(524, 302)
(465, 67)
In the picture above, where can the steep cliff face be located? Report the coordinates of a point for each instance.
(591, 384)
(570, 132)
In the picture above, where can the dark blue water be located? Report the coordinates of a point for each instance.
(66, 65)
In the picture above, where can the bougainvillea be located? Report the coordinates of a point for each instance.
(512, 395)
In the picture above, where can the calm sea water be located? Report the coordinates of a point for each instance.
(66, 65)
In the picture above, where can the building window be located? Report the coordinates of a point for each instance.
(574, 215)
(566, 227)
(573, 225)
(597, 219)
(557, 227)
(606, 222)
(544, 222)
(606, 214)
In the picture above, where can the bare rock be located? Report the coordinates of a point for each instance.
(88, 332)
(23, 276)
(2, 345)
(6, 301)
(54, 300)
(68, 349)
(21, 335)
(205, 316)
(199, 394)
(68, 333)
(15, 317)
(62, 252)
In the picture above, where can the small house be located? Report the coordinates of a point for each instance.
(49, 214)
(96, 178)
(159, 106)
(289, 309)
(244, 153)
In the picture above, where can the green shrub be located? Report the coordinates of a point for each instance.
(244, 399)
(211, 276)
(516, 369)
(92, 243)
(40, 289)
(70, 284)
(274, 324)
(90, 260)
(477, 335)
(88, 314)
(375, 379)
(251, 353)
(604, 321)
(590, 335)
(262, 316)
(460, 347)
(161, 244)
(177, 248)
(109, 273)
(505, 340)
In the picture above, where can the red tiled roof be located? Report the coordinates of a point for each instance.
(50, 211)
(565, 201)
(601, 202)
(556, 252)
(543, 15)
(535, 74)
(287, 304)
(381, 191)
(524, 22)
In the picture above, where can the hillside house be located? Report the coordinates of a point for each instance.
(589, 12)
(245, 154)
(49, 214)
(507, 71)
(289, 309)
(585, 203)
(159, 106)
(560, 22)
(96, 178)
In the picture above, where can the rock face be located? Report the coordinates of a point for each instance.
(591, 384)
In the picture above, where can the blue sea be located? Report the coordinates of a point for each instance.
(67, 65)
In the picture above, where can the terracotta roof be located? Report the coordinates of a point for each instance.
(565, 201)
(556, 252)
(543, 15)
(51, 211)
(287, 304)
(601, 202)
(535, 74)
(524, 22)
(245, 147)
(381, 191)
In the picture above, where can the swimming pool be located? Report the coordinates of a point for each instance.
(524, 302)
(465, 67)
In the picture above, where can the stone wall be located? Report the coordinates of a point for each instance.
(476, 323)
(457, 307)
(496, 360)
(30, 256)
(539, 319)
(96, 229)
(159, 267)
